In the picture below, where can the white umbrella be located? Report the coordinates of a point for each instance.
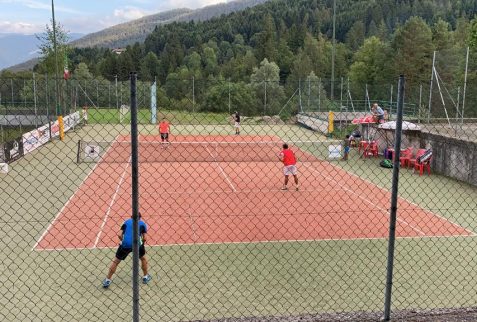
(406, 126)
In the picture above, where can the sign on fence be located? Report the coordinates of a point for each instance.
(36, 138)
(13, 150)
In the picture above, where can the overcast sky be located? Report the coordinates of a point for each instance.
(83, 16)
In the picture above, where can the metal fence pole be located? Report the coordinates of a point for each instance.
(48, 105)
(394, 196)
(229, 98)
(34, 101)
(135, 196)
(430, 90)
(465, 83)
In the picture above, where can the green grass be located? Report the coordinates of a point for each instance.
(111, 116)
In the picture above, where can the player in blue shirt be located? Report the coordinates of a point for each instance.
(126, 238)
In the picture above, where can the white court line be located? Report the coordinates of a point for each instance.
(404, 199)
(113, 200)
(366, 200)
(222, 170)
(70, 198)
(263, 242)
(188, 192)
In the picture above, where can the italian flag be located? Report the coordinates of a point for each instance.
(66, 72)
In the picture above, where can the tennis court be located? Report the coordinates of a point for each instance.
(226, 189)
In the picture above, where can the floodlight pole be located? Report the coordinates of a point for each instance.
(57, 100)
(333, 52)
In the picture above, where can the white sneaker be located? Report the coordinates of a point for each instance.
(146, 279)
(106, 282)
(284, 188)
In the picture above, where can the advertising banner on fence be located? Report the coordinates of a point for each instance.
(70, 121)
(13, 150)
(35, 138)
(40, 136)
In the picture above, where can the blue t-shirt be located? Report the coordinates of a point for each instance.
(127, 229)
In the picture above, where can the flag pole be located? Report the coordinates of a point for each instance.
(59, 113)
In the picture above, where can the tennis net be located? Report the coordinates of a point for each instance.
(149, 152)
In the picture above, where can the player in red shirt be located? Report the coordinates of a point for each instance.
(164, 129)
(289, 161)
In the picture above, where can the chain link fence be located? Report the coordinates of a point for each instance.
(223, 241)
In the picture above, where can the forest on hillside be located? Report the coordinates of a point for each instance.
(285, 43)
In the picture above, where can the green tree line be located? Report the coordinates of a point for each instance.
(283, 43)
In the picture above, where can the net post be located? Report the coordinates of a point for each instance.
(135, 195)
(394, 196)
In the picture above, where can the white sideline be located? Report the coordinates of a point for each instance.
(326, 240)
(401, 198)
(113, 200)
(69, 200)
(366, 200)
(222, 170)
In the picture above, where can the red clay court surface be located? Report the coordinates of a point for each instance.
(232, 202)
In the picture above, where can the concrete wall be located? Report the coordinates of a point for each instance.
(15, 120)
(451, 157)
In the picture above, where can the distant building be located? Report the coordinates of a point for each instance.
(118, 51)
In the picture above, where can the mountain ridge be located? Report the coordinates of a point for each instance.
(137, 30)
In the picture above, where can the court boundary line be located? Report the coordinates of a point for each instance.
(404, 199)
(70, 198)
(221, 170)
(111, 204)
(471, 233)
(264, 242)
(237, 191)
(385, 211)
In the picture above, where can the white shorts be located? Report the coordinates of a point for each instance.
(290, 170)
(237, 124)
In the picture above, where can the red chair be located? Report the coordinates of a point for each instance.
(423, 165)
(363, 145)
(371, 149)
(406, 156)
(412, 161)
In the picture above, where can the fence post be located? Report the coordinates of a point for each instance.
(229, 97)
(265, 102)
(34, 101)
(48, 105)
(430, 90)
(135, 196)
(394, 195)
(193, 94)
(465, 83)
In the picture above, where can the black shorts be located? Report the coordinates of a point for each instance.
(122, 252)
(164, 136)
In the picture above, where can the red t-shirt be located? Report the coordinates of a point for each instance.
(164, 127)
(288, 157)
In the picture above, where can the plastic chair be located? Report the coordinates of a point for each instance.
(406, 156)
(412, 161)
(371, 149)
(362, 145)
(423, 165)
